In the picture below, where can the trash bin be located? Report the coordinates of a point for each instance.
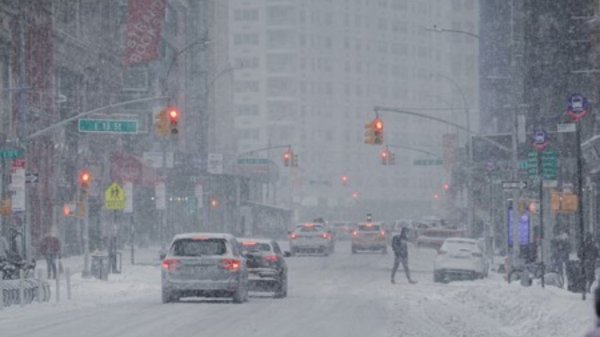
(100, 266)
(574, 276)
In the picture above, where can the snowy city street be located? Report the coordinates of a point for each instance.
(339, 295)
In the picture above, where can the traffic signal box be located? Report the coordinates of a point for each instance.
(166, 122)
(374, 132)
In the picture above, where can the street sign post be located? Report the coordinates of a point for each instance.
(514, 185)
(107, 126)
(577, 107)
(540, 140)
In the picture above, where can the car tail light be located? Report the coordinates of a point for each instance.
(326, 236)
(271, 258)
(293, 236)
(230, 264)
(170, 264)
(382, 233)
(355, 233)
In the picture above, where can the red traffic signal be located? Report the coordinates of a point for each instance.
(378, 125)
(446, 187)
(344, 179)
(385, 157)
(84, 179)
(173, 115)
(287, 156)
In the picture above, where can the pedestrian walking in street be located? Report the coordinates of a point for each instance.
(50, 249)
(400, 247)
(588, 254)
(596, 331)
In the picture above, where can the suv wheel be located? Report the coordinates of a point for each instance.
(167, 296)
(281, 290)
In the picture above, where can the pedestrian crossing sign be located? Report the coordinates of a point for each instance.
(114, 197)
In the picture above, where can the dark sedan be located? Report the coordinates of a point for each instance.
(267, 270)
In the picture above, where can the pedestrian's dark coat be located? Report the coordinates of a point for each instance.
(399, 244)
(50, 245)
(589, 255)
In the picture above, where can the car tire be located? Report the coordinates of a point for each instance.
(241, 294)
(438, 277)
(281, 290)
(167, 296)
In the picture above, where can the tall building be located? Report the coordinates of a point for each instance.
(314, 71)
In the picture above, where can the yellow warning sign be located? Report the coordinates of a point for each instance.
(114, 197)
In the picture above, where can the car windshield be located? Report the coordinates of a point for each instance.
(198, 247)
(369, 228)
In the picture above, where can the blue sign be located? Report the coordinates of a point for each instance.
(540, 140)
(577, 107)
(523, 228)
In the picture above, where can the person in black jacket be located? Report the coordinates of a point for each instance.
(400, 247)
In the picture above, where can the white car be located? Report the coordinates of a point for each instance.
(311, 238)
(460, 258)
(204, 265)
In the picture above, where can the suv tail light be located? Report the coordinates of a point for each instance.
(355, 233)
(326, 236)
(230, 264)
(271, 258)
(170, 264)
(382, 233)
(293, 236)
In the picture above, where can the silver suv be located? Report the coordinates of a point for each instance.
(204, 265)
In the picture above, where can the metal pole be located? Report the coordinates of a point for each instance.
(580, 199)
(541, 211)
(86, 236)
(132, 228)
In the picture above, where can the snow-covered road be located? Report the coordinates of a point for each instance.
(340, 295)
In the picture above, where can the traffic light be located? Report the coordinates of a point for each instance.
(85, 179)
(344, 179)
(378, 131)
(287, 157)
(385, 157)
(68, 210)
(446, 187)
(162, 123)
(374, 132)
(294, 160)
(173, 115)
(214, 203)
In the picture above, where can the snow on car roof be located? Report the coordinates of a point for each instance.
(207, 235)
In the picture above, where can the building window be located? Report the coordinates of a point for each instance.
(247, 110)
(245, 39)
(246, 15)
(284, 63)
(281, 15)
(247, 62)
(281, 87)
(280, 39)
(245, 86)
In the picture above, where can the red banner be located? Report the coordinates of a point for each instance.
(144, 26)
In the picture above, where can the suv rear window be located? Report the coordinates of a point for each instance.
(310, 229)
(198, 247)
(368, 228)
(255, 247)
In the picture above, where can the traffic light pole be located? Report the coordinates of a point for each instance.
(580, 201)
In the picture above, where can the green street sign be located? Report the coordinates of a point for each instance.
(11, 154)
(107, 126)
(427, 162)
(253, 161)
(549, 164)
